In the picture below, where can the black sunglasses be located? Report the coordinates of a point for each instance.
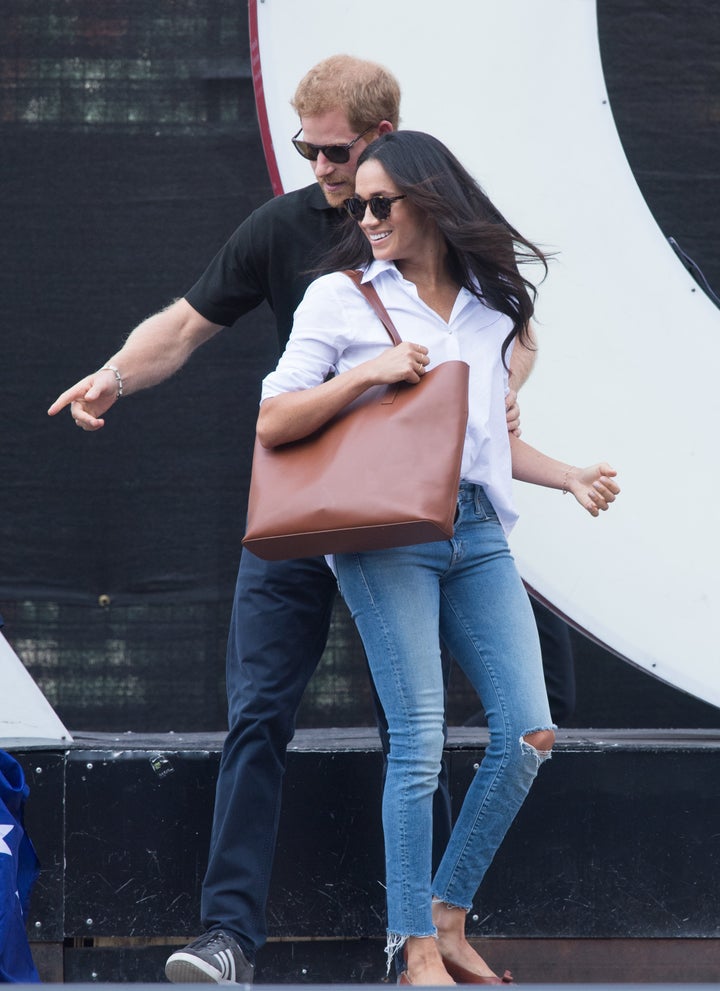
(380, 206)
(337, 154)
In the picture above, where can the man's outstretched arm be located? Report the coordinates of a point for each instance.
(154, 351)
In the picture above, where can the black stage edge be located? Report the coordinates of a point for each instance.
(570, 986)
(610, 873)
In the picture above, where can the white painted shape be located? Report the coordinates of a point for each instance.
(629, 347)
(25, 713)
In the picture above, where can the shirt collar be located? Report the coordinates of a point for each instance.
(376, 267)
(464, 297)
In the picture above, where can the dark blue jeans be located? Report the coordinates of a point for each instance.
(279, 627)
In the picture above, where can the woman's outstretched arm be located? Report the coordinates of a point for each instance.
(594, 487)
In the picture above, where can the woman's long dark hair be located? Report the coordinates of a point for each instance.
(481, 244)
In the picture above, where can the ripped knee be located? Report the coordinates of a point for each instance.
(541, 740)
(538, 743)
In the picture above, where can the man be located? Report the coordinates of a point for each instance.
(281, 612)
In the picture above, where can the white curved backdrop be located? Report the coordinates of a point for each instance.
(25, 713)
(629, 347)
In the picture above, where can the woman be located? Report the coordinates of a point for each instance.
(444, 262)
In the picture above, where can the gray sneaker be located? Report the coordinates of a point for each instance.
(214, 958)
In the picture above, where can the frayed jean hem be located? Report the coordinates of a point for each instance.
(396, 941)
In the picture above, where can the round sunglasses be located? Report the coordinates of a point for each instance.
(380, 206)
(337, 154)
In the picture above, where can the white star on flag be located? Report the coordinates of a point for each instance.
(4, 848)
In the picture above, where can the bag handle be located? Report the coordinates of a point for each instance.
(370, 293)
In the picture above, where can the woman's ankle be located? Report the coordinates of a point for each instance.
(424, 962)
(452, 943)
(449, 920)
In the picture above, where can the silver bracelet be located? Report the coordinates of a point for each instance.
(118, 378)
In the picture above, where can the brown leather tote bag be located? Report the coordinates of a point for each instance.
(384, 472)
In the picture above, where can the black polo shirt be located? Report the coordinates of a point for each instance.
(270, 256)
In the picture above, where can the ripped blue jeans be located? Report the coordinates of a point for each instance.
(468, 591)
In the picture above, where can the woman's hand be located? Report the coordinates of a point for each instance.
(594, 487)
(292, 415)
(403, 363)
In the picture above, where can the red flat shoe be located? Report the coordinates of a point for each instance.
(462, 976)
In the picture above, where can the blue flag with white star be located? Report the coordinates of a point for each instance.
(18, 870)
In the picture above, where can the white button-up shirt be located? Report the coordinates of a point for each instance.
(335, 329)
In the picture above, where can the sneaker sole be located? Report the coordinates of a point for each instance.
(185, 968)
